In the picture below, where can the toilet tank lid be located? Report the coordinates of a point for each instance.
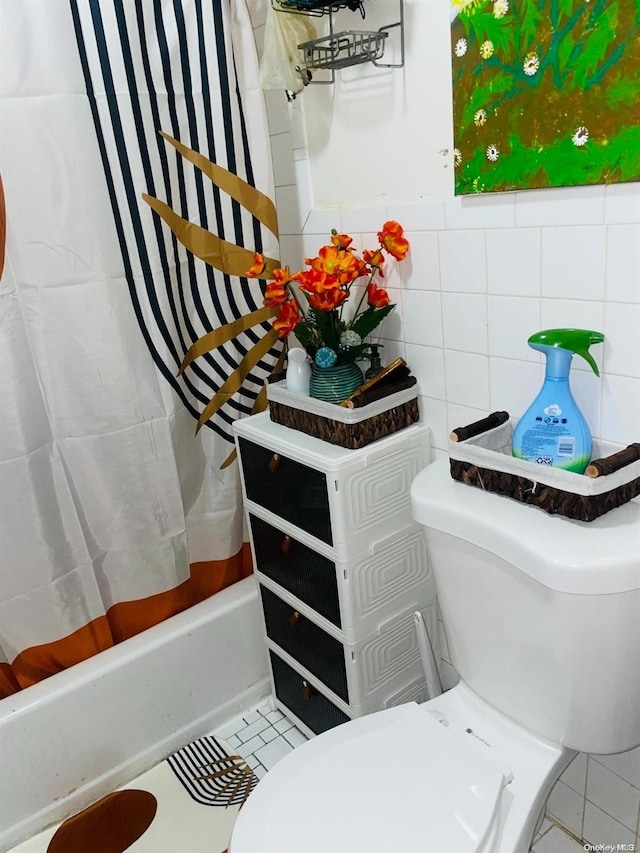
(595, 558)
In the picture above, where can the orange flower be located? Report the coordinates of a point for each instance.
(327, 300)
(314, 281)
(275, 294)
(341, 241)
(282, 276)
(326, 282)
(336, 262)
(392, 240)
(325, 292)
(257, 268)
(373, 260)
(287, 319)
(377, 296)
(277, 291)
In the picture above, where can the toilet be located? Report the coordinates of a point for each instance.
(541, 616)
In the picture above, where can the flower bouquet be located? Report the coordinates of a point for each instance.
(314, 303)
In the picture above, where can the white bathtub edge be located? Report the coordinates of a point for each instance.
(130, 769)
(145, 699)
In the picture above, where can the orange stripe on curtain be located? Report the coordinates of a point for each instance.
(8, 681)
(123, 620)
(211, 576)
(38, 662)
(128, 618)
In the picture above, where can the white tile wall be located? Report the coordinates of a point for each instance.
(483, 274)
(464, 322)
(573, 262)
(463, 265)
(623, 263)
(513, 261)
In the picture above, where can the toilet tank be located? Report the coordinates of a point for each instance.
(541, 613)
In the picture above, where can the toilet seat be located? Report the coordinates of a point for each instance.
(397, 780)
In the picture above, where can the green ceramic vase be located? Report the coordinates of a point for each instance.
(334, 384)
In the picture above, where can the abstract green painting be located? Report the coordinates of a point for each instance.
(546, 93)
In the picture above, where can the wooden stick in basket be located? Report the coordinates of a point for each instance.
(495, 419)
(602, 467)
(381, 374)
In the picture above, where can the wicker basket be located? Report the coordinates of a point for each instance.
(351, 428)
(480, 455)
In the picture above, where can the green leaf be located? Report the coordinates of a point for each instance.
(307, 334)
(372, 317)
(528, 24)
(330, 328)
(561, 9)
(565, 50)
(595, 44)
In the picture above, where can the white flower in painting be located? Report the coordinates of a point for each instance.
(480, 118)
(461, 47)
(493, 152)
(580, 137)
(486, 49)
(500, 8)
(531, 64)
(457, 156)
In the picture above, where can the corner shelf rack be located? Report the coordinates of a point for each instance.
(342, 49)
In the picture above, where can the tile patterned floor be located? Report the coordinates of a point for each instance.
(264, 735)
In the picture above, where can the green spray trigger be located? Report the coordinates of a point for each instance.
(576, 341)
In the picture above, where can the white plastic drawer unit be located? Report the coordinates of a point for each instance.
(354, 595)
(289, 489)
(341, 567)
(295, 567)
(343, 498)
(360, 676)
(310, 708)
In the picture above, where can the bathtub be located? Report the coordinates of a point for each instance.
(78, 735)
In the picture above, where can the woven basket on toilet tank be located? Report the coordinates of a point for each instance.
(480, 456)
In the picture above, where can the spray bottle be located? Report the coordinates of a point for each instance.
(553, 430)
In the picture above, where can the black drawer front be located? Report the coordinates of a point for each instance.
(298, 569)
(290, 490)
(310, 706)
(318, 652)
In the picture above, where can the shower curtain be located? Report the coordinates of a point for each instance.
(114, 513)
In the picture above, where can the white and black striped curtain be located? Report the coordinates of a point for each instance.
(113, 514)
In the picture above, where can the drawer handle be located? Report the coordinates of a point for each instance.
(286, 545)
(274, 463)
(294, 618)
(307, 691)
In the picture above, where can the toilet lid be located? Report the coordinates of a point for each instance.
(393, 781)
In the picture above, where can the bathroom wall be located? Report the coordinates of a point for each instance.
(484, 273)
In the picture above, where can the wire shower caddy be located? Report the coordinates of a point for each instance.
(343, 49)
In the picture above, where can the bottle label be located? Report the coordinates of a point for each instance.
(549, 438)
